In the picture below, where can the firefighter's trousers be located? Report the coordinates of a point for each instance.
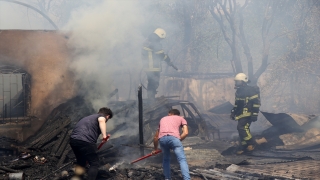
(244, 132)
(153, 83)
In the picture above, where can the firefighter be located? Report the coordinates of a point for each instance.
(152, 56)
(245, 111)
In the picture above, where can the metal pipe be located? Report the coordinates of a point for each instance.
(140, 120)
(3, 103)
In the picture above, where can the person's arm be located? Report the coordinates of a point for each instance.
(168, 61)
(255, 104)
(233, 110)
(184, 132)
(103, 126)
(155, 141)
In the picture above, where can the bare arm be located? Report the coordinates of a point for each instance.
(156, 140)
(103, 126)
(184, 132)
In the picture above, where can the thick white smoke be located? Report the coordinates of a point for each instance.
(106, 38)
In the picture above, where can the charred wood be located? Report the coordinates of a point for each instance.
(65, 142)
(8, 169)
(47, 137)
(59, 141)
(63, 156)
(49, 145)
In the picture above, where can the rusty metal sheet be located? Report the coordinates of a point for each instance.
(292, 121)
(300, 140)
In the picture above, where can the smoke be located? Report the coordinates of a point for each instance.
(106, 38)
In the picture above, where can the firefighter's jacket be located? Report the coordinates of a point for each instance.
(247, 102)
(153, 55)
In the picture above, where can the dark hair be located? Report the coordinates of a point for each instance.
(174, 112)
(106, 111)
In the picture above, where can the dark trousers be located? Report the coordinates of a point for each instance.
(86, 152)
(153, 83)
(244, 131)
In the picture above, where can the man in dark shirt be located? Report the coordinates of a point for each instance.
(84, 137)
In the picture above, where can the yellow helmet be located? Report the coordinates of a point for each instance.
(161, 33)
(241, 77)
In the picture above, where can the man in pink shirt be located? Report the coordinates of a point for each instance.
(168, 135)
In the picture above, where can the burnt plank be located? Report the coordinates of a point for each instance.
(51, 135)
(64, 143)
(64, 155)
(59, 141)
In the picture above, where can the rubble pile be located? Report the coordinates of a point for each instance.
(47, 155)
(48, 149)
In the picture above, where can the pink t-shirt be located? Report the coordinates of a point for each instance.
(170, 125)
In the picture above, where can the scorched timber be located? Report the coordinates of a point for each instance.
(59, 141)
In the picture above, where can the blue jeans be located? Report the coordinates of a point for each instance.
(171, 142)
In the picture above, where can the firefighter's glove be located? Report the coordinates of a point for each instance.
(254, 118)
(232, 116)
(172, 65)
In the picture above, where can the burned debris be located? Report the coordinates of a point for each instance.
(245, 70)
(47, 154)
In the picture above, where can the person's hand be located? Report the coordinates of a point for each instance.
(232, 116)
(154, 151)
(105, 139)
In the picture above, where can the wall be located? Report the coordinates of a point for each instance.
(204, 93)
(45, 56)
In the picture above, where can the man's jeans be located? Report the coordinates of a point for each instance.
(171, 142)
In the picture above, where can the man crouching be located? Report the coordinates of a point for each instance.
(84, 137)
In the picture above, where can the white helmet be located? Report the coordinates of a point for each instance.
(241, 77)
(161, 33)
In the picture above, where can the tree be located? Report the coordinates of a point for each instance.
(294, 78)
(228, 13)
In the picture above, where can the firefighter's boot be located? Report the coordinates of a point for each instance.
(250, 148)
(241, 150)
(151, 94)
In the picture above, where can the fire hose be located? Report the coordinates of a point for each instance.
(146, 156)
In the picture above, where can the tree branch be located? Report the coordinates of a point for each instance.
(245, 45)
(35, 9)
(283, 34)
(219, 20)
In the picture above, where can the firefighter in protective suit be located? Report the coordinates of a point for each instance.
(245, 111)
(152, 57)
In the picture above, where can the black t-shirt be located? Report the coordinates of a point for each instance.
(87, 129)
